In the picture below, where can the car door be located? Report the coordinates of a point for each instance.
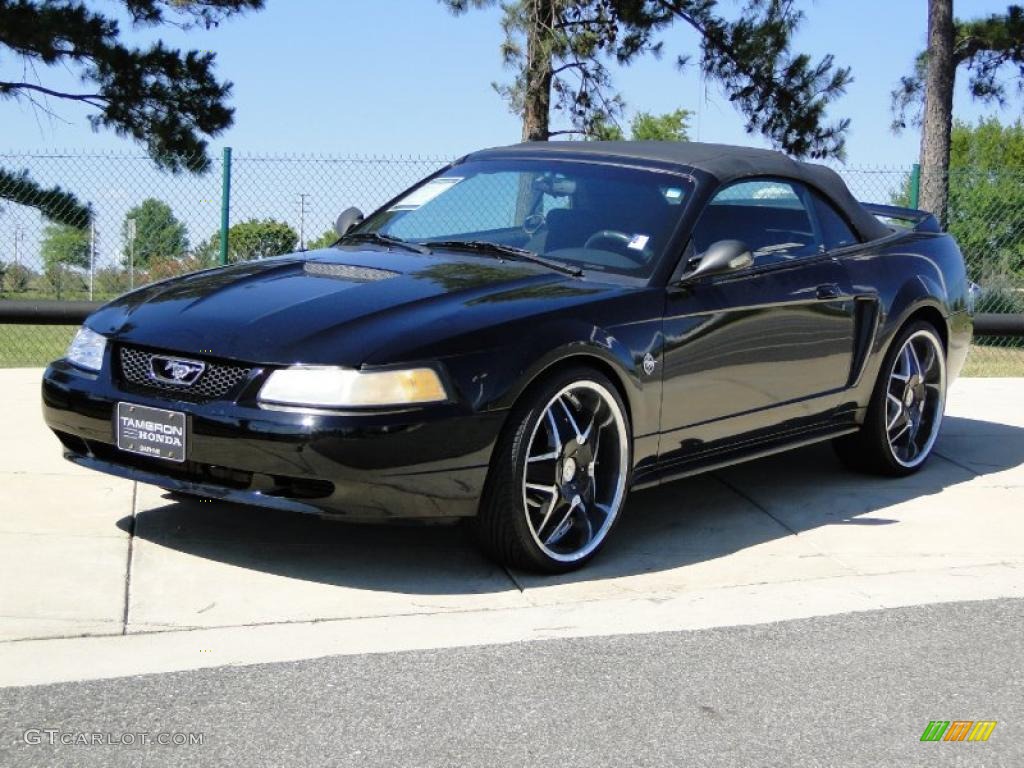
(762, 350)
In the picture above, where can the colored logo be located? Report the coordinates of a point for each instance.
(958, 730)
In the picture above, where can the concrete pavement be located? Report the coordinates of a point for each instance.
(104, 578)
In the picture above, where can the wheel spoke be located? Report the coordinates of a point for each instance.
(916, 362)
(547, 513)
(563, 525)
(929, 361)
(551, 456)
(593, 430)
(898, 435)
(899, 409)
(572, 421)
(556, 438)
(902, 359)
(551, 490)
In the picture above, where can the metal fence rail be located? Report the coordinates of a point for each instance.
(147, 225)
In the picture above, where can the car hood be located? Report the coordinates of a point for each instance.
(338, 306)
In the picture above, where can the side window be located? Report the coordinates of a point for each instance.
(769, 215)
(835, 232)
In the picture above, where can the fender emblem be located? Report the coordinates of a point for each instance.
(649, 363)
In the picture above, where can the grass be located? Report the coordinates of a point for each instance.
(24, 346)
(994, 361)
(32, 294)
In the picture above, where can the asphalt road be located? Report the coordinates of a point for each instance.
(848, 690)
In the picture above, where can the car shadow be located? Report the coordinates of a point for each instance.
(681, 523)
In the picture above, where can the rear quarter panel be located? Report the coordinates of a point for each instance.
(913, 273)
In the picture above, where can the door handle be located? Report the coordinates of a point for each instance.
(828, 291)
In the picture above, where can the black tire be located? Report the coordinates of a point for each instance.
(869, 449)
(504, 526)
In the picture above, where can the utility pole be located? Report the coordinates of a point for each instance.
(19, 237)
(92, 249)
(302, 220)
(131, 253)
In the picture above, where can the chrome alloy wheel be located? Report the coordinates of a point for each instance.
(915, 398)
(574, 481)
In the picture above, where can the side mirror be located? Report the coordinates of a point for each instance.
(721, 256)
(349, 218)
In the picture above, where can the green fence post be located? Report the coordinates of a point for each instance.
(225, 204)
(915, 185)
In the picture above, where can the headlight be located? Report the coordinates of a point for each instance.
(345, 387)
(86, 349)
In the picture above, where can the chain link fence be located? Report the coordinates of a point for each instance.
(147, 225)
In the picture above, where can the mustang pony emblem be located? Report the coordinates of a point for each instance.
(173, 370)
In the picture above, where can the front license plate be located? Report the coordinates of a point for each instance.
(150, 431)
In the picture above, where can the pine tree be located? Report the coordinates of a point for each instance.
(559, 52)
(167, 100)
(986, 48)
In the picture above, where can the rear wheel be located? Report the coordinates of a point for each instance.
(906, 409)
(559, 476)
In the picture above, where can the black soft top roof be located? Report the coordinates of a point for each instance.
(724, 162)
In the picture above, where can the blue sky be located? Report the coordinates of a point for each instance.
(405, 77)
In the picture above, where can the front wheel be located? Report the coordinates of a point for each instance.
(559, 476)
(906, 408)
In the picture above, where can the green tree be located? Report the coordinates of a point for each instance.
(163, 98)
(158, 233)
(558, 49)
(671, 126)
(253, 239)
(986, 49)
(64, 247)
(327, 239)
(986, 200)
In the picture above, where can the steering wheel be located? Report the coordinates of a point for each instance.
(621, 242)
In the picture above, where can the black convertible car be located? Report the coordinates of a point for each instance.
(526, 335)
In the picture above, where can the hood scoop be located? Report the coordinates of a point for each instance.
(348, 272)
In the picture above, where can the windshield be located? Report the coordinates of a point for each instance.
(584, 215)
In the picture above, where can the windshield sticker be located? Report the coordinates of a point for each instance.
(673, 193)
(638, 242)
(425, 194)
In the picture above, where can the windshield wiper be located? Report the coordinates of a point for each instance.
(499, 250)
(377, 237)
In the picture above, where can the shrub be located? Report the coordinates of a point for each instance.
(16, 278)
(112, 281)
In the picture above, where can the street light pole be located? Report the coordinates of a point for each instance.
(302, 220)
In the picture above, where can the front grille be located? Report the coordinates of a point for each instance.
(217, 381)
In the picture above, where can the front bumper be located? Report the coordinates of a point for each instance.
(421, 463)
